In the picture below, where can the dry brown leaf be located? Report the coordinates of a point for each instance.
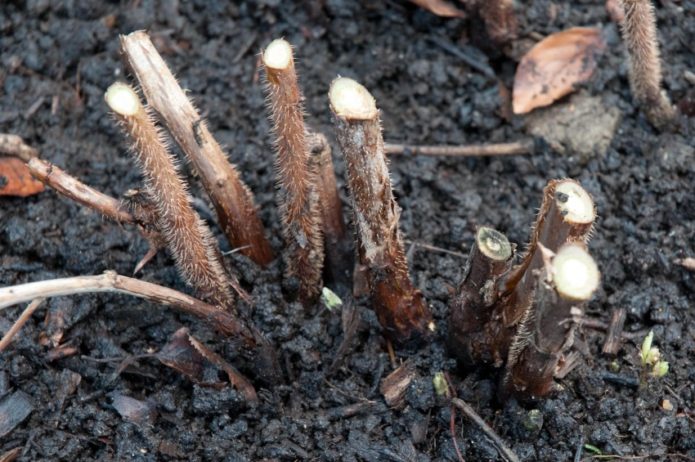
(15, 179)
(440, 8)
(553, 67)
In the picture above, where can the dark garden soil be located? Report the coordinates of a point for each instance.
(58, 57)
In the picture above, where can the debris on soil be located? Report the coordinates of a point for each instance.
(16, 180)
(14, 409)
(555, 66)
(394, 386)
(584, 126)
(440, 8)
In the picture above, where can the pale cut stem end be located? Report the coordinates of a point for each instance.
(278, 55)
(351, 100)
(574, 273)
(122, 99)
(574, 203)
(493, 244)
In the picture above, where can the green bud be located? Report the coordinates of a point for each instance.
(646, 347)
(660, 369)
(330, 299)
(440, 385)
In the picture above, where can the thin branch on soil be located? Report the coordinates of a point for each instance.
(74, 189)
(434, 248)
(232, 199)
(504, 451)
(223, 321)
(19, 323)
(597, 324)
(474, 62)
(525, 146)
(14, 145)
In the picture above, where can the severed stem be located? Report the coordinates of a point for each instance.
(640, 37)
(19, 323)
(187, 237)
(566, 215)
(339, 256)
(297, 189)
(526, 146)
(233, 201)
(539, 348)
(223, 321)
(400, 307)
(472, 307)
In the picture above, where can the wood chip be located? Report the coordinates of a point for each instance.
(394, 386)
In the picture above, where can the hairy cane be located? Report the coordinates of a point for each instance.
(339, 255)
(298, 198)
(639, 35)
(233, 201)
(400, 307)
(472, 306)
(569, 279)
(188, 239)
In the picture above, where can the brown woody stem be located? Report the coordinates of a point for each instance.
(14, 145)
(223, 321)
(298, 198)
(74, 189)
(187, 237)
(545, 336)
(233, 201)
(137, 211)
(339, 259)
(400, 307)
(566, 215)
(525, 146)
(640, 37)
(471, 309)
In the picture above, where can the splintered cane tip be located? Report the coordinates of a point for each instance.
(575, 274)
(278, 55)
(493, 244)
(574, 203)
(351, 100)
(122, 99)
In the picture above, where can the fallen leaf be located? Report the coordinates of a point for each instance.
(552, 68)
(15, 179)
(440, 8)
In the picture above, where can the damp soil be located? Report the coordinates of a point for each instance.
(58, 57)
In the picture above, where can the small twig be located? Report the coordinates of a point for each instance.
(597, 324)
(482, 66)
(630, 382)
(504, 451)
(74, 189)
(13, 145)
(580, 449)
(434, 248)
(19, 323)
(224, 321)
(525, 146)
